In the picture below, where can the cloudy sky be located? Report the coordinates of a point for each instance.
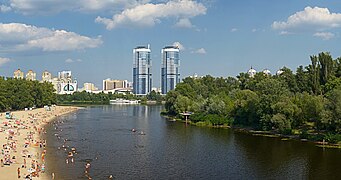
(95, 38)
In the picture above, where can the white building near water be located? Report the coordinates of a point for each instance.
(64, 83)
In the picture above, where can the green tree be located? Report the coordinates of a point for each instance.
(182, 104)
(245, 108)
(289, 78)
(302, 80)
(314, 75)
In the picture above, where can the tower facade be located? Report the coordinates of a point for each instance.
(142, 74)
(18, 74)
(46, 76)
(31, 75)
(170, 68)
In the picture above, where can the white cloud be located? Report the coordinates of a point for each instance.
(285, 33)
(22, 37)
(4, 61)
(56, 6)
(149, 14)
(184, 23)
(199, 51)
(4, 8)
(178, 44)
(324, 35)
(254, 30)
(233, 30)
(311, 18)
(69, 60)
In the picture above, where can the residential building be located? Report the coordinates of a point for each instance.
(31, 75)
(109, 84)
(65, 76)
(142, 74)
(170, 68)
(89, 87)
(55, 82)
(18, 74)
(46, 76)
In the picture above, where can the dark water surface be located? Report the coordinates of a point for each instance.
(172, 150)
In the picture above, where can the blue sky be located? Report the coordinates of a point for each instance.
(94, 38)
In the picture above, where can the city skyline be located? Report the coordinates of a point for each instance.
(94, 39)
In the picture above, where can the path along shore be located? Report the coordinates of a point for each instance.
(22, 147)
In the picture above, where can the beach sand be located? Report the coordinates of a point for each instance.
(21, 140)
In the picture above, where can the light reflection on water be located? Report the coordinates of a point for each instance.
(171, 150)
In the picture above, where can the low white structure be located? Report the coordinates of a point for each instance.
(124, 101)
(64, 84)
(113, 91)
(67, 88)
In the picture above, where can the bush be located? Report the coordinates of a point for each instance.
(333, 138)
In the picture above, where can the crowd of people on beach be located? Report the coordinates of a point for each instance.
(23, 148)
(22, 143)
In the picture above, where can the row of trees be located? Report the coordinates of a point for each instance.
(102, 98)
(308, 100)
(17, 94)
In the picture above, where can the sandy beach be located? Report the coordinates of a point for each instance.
(22, 147)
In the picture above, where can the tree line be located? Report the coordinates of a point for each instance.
(307, 102)
(103, 98)
(17, 94)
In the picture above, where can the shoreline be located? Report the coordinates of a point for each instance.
(23, 144)
(253, 132)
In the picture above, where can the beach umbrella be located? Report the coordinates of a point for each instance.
(11, 131)
(17, 122)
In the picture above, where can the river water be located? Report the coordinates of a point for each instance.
(171, 150)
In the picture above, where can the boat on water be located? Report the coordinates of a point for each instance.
(124, 101)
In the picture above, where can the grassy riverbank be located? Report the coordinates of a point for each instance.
(320, 139)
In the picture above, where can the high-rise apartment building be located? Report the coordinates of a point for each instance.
(89, 87)
(31, 75)
(142, 74)
(18, 74)
(65, 76)
(170, 68)
(46, 76)
(109, 84)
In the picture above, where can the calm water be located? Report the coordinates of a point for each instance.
(172, 150)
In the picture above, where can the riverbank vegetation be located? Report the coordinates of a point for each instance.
(87, 98)
(306, 103)
(17, 94)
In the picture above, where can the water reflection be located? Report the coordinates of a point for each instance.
(172, 150)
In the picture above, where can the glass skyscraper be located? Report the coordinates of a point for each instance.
(142, 74)
(170, 74)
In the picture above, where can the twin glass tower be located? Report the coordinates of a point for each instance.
(142, 76)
